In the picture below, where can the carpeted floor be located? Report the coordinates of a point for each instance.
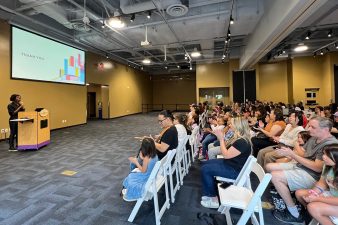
(33, 190)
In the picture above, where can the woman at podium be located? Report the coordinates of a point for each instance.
(14, 108)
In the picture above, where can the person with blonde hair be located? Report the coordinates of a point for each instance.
(230, 166)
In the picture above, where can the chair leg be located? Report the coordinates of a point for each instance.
(157, 211)
(244, 218)
(135, 210)
(228, 216)
(171, 186)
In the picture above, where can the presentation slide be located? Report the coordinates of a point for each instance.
(38, 58)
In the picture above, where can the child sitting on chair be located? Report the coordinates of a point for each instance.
(141, 168)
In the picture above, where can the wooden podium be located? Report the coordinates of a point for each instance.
(33, 130)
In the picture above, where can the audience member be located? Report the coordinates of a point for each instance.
(168, 138)
(322, 200)
(303, 171)
(288, 138)
(234, 158)
(275, 127)
(134, 183)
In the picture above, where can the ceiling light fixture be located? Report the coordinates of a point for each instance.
(178, 66)
(115, 22)
(301, 48)
(146, 61)
(229, 33)
(149, 15)
(336, 45)
(308, 35)
(195, 53)
(329, 34)
(321, 52)
(231, 20)
(132, 18)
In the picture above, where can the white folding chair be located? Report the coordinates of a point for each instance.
(243, 176)
(186, 155)
(243, 197)
(180, 160)
(193, 141)
(171, 169)
(156, 180)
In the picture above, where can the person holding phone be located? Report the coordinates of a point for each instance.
(14, 108)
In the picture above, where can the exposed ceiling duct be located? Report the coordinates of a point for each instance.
(52, 10)
(128, 7)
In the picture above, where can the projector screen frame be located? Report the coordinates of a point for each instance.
(52, 39)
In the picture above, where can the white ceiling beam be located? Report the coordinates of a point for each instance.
(279, 20)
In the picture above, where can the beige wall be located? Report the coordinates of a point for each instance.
(312, 72)
(64, 101)
(289, 77)
(167, 91)
(128, 89)
(272, 84)
(215, 75)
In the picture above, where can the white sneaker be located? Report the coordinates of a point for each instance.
(205, 198)
(210, 204)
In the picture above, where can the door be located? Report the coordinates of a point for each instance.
(244, 85)
(91, 105)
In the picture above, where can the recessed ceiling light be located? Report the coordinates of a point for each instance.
(195, 53)
(114, 22)
(146, 61)
(301, 48)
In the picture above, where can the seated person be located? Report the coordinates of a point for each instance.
(134, 183)
(168, 138)
(230, 166)
(210, 138)
(275, 127)
(302, 172)
(322, 200)
(180, 120)
(288, 138)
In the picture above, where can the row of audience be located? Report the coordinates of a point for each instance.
(299, 151)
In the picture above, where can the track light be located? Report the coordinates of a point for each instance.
(107, 56)
(321, 52)
(227, 40)
(223, 57)
(229, 33)
(308, 35)
(314, 54)
(231, 20)
(336, 45)
(329, 34)
(190, 67)
(166, 67)
(178, 66)
(132, 18)
(149, 15)
(222, 61)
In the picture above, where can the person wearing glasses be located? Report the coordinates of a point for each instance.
(168, 138)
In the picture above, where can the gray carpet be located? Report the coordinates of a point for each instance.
(33, 191)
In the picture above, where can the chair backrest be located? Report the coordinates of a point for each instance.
(181, 146)
(152, 177)
(264, 179)
(244, 176)
(170, 155)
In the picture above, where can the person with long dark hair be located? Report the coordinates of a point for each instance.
(322, 200)
(14, 108)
